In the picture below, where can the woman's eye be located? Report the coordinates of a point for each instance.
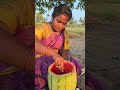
(64, 24)
(58, 21)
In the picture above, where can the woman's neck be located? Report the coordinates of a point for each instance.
(50, 24)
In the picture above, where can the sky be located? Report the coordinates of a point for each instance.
(77, 13)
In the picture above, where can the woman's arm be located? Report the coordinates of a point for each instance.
(13, 52)
(41, 48)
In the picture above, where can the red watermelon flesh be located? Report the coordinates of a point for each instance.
(68, 67)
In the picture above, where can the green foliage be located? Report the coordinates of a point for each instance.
(72, 23)
(40, 5)
(82, 21)
(81, 4)
(39, 18)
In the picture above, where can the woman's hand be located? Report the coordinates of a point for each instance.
(59, 61)
(43, 49)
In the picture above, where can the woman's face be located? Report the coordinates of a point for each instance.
(59, 22)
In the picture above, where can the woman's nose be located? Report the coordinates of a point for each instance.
(60, 25)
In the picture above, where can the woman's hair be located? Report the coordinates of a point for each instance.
(62, 9)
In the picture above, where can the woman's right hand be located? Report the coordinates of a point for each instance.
(59, 61)
(42, 49)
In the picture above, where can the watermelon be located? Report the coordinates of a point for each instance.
(66, 80)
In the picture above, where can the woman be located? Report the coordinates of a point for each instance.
(51, 45)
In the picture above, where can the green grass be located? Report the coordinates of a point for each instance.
(76, 30)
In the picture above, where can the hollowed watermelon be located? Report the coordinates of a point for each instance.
(65, 80)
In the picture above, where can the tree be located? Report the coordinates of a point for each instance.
(39, 18)
(82, 21)
(72, 23)
(49, 4)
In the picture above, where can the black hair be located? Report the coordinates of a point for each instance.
(62, 9)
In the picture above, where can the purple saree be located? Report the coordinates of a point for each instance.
(42, 63)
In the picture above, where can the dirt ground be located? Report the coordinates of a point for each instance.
(77, 49)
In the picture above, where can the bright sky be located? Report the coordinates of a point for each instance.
(77, 13)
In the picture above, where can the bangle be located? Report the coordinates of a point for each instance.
(46, 51)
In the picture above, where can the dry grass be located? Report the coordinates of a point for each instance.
(76, 30)
(77, 48)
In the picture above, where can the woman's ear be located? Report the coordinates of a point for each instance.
(52, 19)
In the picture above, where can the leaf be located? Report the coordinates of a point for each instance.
(49, 4)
